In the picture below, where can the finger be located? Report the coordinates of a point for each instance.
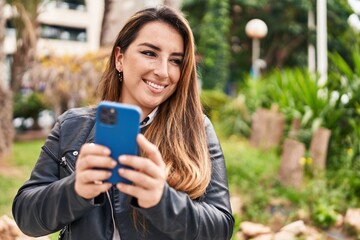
(150, 150)
(92, 190)
(141, 164)
(95, 161)
(138, 178)
(94, 149)
(91, 176)
(99, 187)
(132, 190)
(103, 187)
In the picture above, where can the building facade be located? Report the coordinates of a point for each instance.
(75, 27)
(69, 27)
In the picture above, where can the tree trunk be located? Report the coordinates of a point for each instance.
(110, 24)
(24, 56)
(319, 147)
(267, 128)
(6, 126)
(3, 83)
(291, 171)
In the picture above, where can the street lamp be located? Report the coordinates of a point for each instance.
(321, 40)
(256, 29)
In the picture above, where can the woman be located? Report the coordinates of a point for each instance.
(179, 188)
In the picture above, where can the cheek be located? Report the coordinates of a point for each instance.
(175, 75)
(174, 86)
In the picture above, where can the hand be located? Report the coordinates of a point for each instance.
(148, 174)
(89, 180)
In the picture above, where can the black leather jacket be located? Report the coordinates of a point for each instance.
(47, 202)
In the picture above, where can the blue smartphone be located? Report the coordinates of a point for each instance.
(116, 127)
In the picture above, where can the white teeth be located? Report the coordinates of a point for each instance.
(154, 85)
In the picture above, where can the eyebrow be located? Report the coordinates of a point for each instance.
(159, 49)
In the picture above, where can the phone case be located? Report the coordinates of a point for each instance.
(116, 127)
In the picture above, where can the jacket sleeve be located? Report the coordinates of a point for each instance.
(46, 203)
(179, 217)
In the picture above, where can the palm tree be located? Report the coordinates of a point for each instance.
(6, 126)
(22, 58)
(26, 24)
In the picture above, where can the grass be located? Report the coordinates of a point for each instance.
(8, 186)
(23, 158)
(25, 154)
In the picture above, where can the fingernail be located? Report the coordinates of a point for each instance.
(106, 151)
(122, 158)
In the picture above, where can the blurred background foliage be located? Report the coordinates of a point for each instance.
(286, 42)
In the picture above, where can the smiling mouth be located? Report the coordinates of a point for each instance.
(154, 85)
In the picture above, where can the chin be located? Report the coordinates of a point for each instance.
(154, 103)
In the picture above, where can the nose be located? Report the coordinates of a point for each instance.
(161, 69)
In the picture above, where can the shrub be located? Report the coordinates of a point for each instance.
(212, 101)
(28, 105)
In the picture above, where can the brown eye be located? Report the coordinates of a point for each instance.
(149, 53)
(177, 61)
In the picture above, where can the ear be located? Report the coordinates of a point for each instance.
(119, 57)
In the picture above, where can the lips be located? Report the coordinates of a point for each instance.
(154, 85)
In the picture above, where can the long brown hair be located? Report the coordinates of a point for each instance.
(178, 128)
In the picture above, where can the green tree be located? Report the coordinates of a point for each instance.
(214, 45)
(286, 42)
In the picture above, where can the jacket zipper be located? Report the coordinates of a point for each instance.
(112, 213)
(67, 165)
(63, 161)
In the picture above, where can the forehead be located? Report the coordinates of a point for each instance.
(161, 34)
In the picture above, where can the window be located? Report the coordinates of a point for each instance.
(10, 29)
(63, 33)
(78, 5)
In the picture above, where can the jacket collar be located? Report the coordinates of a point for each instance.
(149, 118)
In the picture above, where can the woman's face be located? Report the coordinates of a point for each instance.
(151, 66)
